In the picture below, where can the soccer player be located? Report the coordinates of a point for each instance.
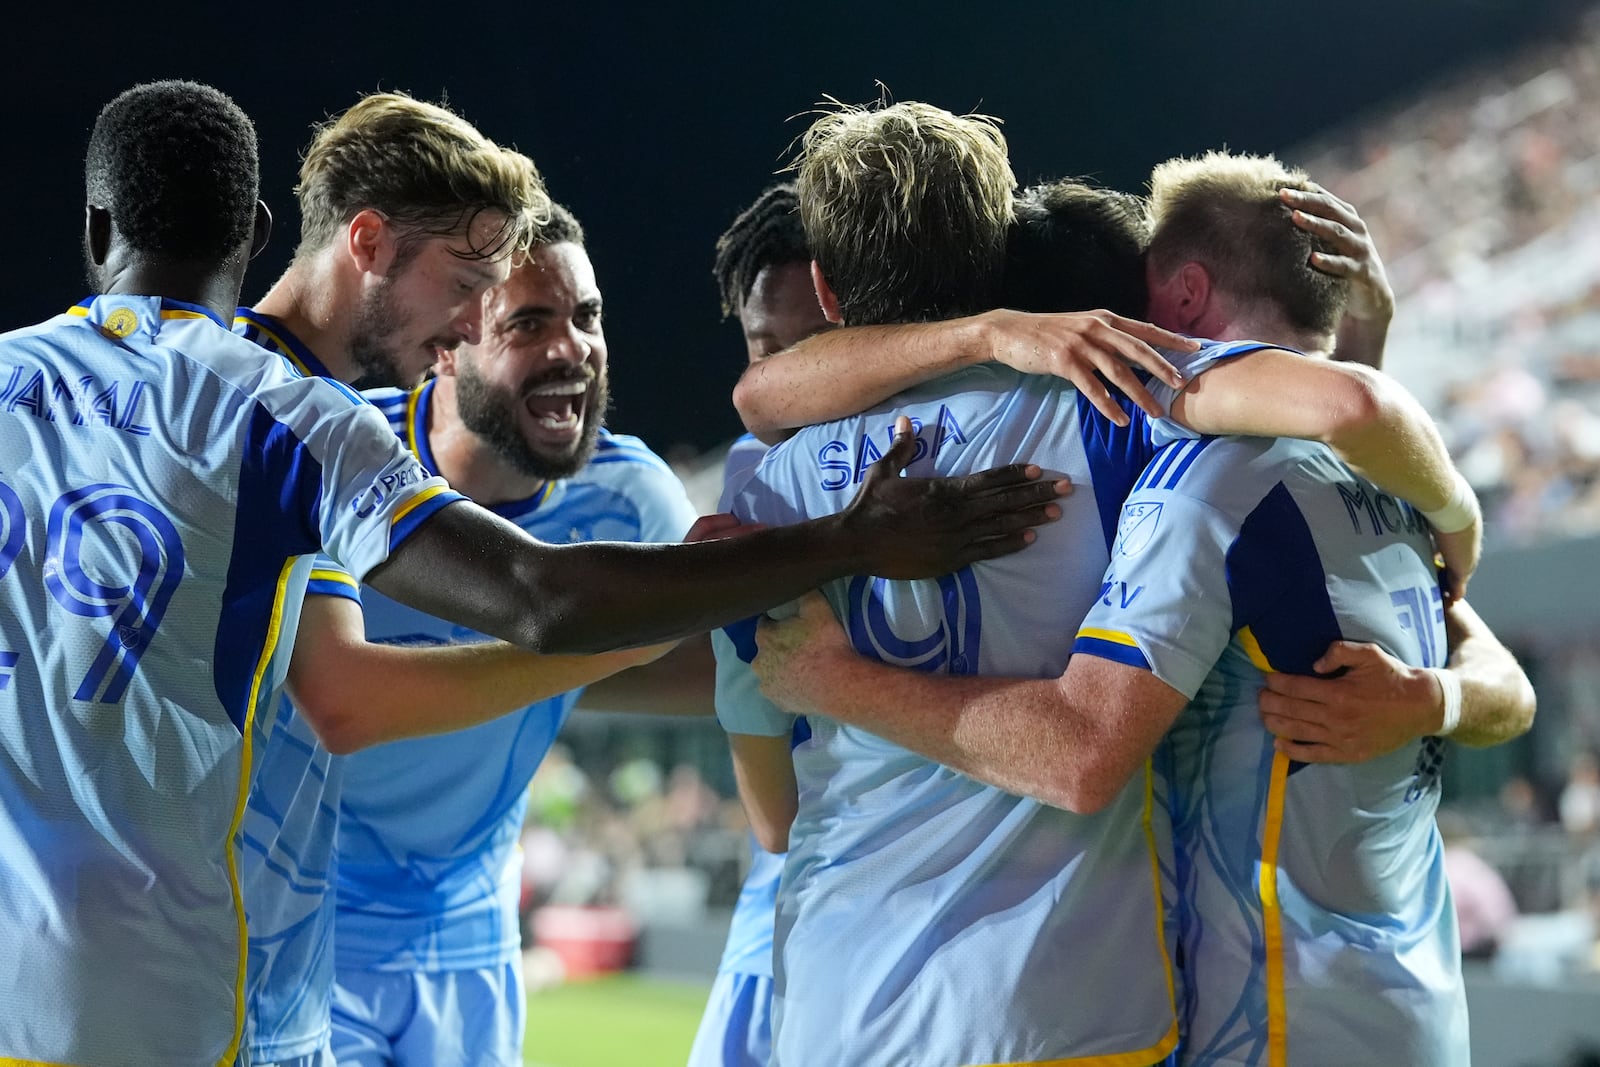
(165, 487)
(428, 962)
(1312, 910)
(924, 917)
(763, 272)
(1369, 420)
(409, 215)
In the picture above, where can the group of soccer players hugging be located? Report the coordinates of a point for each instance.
(1123, 628)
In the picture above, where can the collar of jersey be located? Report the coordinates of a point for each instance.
(417, 416)
(170, 309)
(304, 360)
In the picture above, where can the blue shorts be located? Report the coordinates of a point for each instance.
(736, 1030)
(470, 1018)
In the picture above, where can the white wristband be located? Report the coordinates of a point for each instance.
(1451, 686)
(1458, 513)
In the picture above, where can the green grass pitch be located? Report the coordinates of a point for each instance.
(608, 1022)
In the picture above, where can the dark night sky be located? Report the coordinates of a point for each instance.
(656, 125)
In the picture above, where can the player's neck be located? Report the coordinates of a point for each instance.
(308, 301)
(217, 291)
(470, 466)
(1271, 327)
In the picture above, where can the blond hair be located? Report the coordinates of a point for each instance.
(905, 209)
(426, 169)
(1222, 210)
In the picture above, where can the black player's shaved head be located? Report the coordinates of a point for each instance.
(175, 165)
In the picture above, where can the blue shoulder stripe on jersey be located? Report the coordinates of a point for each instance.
(1161, 464)
(424, 508)
(1278, 586)
(279, 506)
(1115, 651)
(1116, 455)
(1191, 452)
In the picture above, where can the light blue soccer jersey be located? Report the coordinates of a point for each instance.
(749, 946)
(1315, 920)
(288, 833)
(161, 482)
(924, 917)
(429, 872)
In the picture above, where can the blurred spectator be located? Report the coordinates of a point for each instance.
(1580, 797)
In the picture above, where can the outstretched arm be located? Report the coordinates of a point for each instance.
(1379, 703)
(357, 693)
(466, 565)
(1072, 741)
(841, 372)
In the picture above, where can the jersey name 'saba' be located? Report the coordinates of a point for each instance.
(976, 926)
(159, 478)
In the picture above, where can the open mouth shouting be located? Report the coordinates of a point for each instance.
(557, 410)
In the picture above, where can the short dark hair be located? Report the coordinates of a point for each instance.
(1077, 247)
(767, 232)
(906, 208)
(175, 164)
(563, 227)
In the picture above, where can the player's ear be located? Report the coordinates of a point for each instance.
(825, 295)
(445, 361)
(97, 233)
(262, 230)
(370, 241)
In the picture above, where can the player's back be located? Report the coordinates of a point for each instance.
(428, 874)
(159, 475)
(1315, 919)
(975, 926)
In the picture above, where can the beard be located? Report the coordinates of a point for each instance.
(378, 319)
(491, 413)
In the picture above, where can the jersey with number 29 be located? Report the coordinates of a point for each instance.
(159, 478)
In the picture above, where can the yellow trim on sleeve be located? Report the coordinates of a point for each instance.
(1116, 637)
(334, 576)
(7, 1061)
(1272, 915)
(268, 646)
(417, 501)
(82, 313)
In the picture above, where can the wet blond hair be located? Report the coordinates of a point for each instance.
(1222, 210)
(426, 169)
(905, 209)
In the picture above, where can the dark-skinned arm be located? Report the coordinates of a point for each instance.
(473, 568)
